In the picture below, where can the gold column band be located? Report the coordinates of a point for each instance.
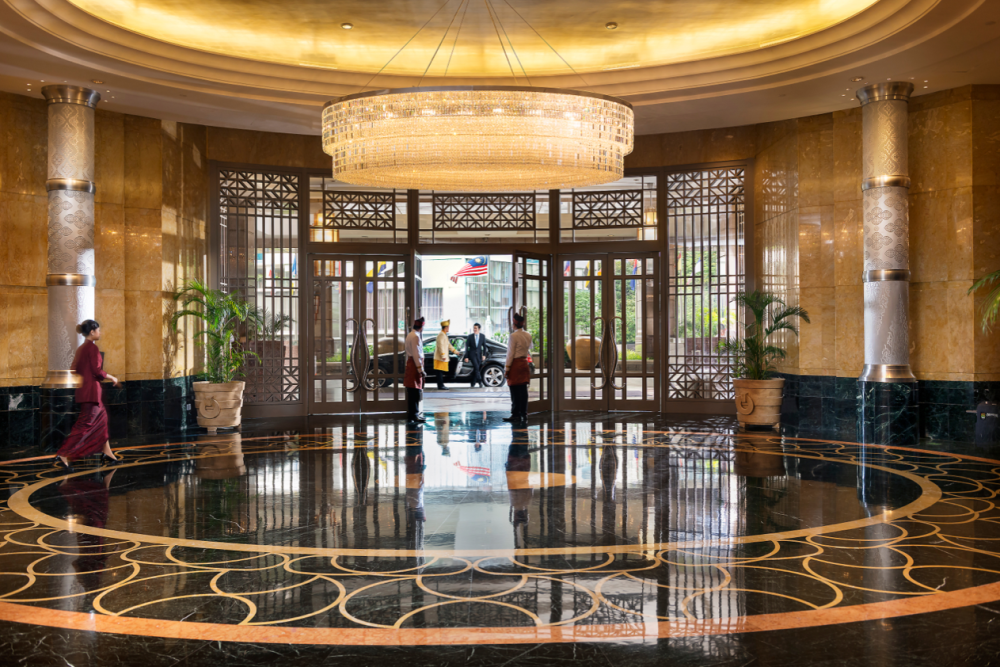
(890, 90)
(71, 95)
(74, 184)
(62, 380)
(889, 181)
(887, 373)
(70, 280)
(882, 275)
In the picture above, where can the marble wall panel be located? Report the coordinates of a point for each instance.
(24, 128)
(143, 163)
(818, 338)
(24, 220)
(143, 257)
(847, 155)
(109, 310)
(848, 242)
(144, 340)
(109, 157)
(987, 343)
(940, 145)
(942, 331)
(986, 135)
(815, 161)
(816, 246)
(23, 351)
(109, 245)
(850, 350)
(268, 148)
(776, 185)
(769, 134)
(941, 235)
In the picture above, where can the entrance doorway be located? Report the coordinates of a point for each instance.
(609, 332)
(358, 321)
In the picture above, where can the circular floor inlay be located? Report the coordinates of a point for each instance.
(493, 538)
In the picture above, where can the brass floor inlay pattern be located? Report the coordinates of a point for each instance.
(605, 535)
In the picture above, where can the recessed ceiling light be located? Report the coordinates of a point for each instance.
(925, 86)
(96, 81)
(858, 78)
(611, 25)
(889, 79)
(347, 26)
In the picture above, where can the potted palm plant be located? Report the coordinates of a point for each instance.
(991, 307)
(758, 392)
(219, 400)
(264, 332)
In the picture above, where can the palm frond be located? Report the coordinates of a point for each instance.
(991, 306)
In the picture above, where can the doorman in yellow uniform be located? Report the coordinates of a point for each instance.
(441, 349)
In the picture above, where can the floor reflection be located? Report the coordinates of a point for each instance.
(608, 526)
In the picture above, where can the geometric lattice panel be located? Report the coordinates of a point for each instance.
(484, 212)
(359, 210)
(258, 220)
(607, 210)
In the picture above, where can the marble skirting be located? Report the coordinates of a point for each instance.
(827, 407)
(31, 415)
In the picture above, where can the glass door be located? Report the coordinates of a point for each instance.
(532, 281)
(607, 327)
(357, 331)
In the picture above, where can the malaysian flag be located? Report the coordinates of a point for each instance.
(477, 473)
(477, 266)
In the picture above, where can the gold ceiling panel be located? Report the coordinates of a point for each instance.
(465, 33)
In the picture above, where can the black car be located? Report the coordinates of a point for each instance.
(458, 370)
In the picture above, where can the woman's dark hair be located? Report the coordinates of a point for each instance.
(84, 328)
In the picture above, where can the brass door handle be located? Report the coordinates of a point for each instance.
(614, 356)
(600, 352)
(359, 355)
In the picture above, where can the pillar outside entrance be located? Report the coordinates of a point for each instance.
(888, 397)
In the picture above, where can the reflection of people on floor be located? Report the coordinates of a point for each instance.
(441, 423)
(442, 347)
(518, 487)
(88, 504)
(518, 372)
(475, 353)
(413, 459)
(90, 432)
(413, 379)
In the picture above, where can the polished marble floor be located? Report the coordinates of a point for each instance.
(589, 537)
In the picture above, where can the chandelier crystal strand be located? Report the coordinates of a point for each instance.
(478, 138)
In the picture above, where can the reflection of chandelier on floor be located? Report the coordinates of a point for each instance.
(477, 138)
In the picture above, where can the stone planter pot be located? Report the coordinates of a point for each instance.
(758, 402)
(219, 405)
(586, 353)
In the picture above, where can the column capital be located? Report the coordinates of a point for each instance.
(71, 95)
(877, 92)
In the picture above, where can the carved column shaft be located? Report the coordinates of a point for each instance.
(886, 232)
(71, 190)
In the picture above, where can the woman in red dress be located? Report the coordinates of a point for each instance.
(90, 433)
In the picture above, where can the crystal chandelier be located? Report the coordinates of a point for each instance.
(478, 138)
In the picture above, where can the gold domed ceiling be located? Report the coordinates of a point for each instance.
(466, 35)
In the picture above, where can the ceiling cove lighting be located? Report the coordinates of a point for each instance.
(478, 138)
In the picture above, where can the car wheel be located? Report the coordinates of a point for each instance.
(493, 376)
(382, 383)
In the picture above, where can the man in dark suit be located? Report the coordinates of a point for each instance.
(475, 351)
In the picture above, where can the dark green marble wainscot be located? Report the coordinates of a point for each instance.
(31, 415)
(828, 407)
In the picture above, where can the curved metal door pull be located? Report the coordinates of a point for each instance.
(359, 355)
(600, 352)
(614, 356)
(371, 368)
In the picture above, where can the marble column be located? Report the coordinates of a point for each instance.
(70, 278)
(888, 397)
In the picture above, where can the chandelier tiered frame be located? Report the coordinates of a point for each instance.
(478, 138)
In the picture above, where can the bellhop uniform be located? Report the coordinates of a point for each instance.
(475, 351)
(413, 379)
(518, 373)
(442, 347)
